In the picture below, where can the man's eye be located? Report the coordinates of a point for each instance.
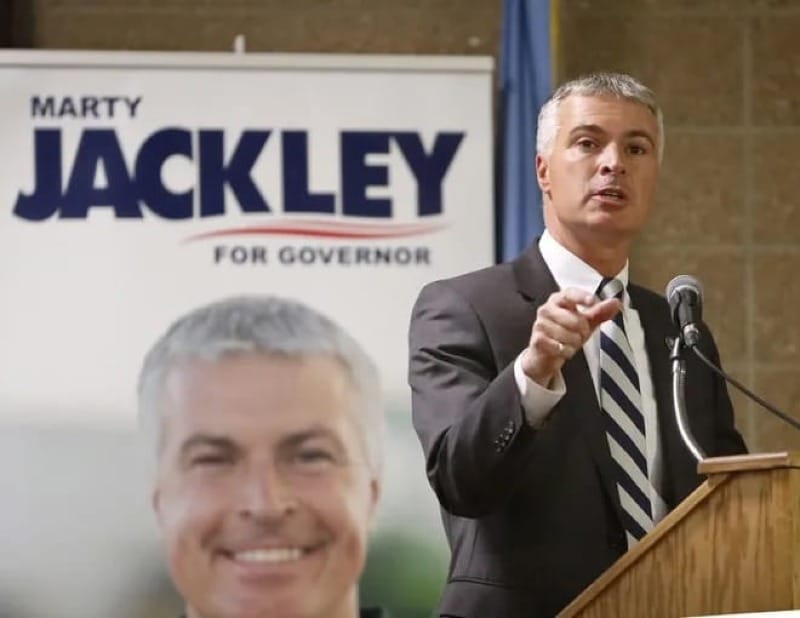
(211, 460)
(586, 144)
(314, 456)
(637, 149)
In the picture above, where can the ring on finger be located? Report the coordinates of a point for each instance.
(561, 348)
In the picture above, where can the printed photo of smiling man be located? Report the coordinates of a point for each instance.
(266, 424)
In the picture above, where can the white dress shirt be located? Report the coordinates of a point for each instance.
(569, 271)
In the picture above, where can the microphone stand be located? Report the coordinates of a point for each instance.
(679, 399)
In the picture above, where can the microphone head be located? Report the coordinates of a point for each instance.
(684, 282)
(685, 297)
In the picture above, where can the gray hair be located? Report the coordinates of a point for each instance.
(596, 84)
(264, 325)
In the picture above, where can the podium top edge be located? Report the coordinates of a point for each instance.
(757, 461)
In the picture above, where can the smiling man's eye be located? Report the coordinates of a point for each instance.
(211, 460)
(314, 455)
(586, 143)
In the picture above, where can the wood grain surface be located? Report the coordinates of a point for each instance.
(731, 546)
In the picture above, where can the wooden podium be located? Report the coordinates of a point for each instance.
(732, 546)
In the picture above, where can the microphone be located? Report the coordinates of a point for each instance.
(685, 297)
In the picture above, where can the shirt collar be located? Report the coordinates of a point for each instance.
(569, 270)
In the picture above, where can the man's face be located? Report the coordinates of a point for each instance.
(263, 496)
(599, 178)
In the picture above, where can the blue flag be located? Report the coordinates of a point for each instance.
(524, 86)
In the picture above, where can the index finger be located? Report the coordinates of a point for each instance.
(569, 298)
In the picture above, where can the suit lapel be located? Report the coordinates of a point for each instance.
(535, 283)
(534, 280)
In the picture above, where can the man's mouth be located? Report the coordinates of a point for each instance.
(264, 566)
(278, 555)
(612, 194)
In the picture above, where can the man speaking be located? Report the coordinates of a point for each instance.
(542, 388)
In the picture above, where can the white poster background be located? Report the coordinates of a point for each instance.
(82, 299)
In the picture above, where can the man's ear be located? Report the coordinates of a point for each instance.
(374, 497)
(542, 173)
(375, 494)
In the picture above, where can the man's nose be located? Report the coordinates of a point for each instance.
(611, 160)
(267, 494)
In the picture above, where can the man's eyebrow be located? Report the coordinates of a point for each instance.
(587, 128)
(209, 441)
(291, 440)
(597, 129)
(641, 133)
(316, 431)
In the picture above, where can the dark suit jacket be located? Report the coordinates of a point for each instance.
(533, 516)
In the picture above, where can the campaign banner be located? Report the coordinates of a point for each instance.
(137, 186)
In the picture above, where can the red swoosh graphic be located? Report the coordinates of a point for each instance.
(326, 229)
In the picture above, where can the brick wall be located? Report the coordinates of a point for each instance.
(377, 26)
(728, 206)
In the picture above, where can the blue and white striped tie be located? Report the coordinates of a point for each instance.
(621, 402)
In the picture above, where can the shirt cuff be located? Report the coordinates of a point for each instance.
(537, 401)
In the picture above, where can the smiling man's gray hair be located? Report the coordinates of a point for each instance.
(596, 84)
(266, 325)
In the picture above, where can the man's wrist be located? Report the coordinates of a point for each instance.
(543, 379)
